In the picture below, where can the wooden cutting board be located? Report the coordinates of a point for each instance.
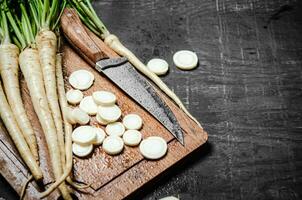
(109, 177)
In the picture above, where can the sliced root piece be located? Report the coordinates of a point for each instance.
(132, 122)
(81, 150)
(185, 60)
(110, 113)
(74, 97)
(115, 129)
(84, 135)
(113, 145)
(132, 137)
(153, 147)
(77, 116)
(104, 98)
(100, 136)
(158, 66)
(81, 79)
(101, 121)
(88, 105)
(80, 116)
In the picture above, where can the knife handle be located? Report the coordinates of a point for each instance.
(76, 34)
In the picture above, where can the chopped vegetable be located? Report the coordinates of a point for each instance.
(153, 147)
(77, 116)
(100, 136)
(88, 105)
(104, 98)
(132, 137)
(185, 60)
(84, 135)
(101, 121)
(109, 113)
(81, 79)
(113, 145)
(158, 66)
(74, 97)
(115, 129)
(81, 150)
(132, 122)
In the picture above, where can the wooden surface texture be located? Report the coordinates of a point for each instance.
(246, 91)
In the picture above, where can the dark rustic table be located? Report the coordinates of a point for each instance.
(247, 91)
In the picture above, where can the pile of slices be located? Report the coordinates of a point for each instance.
(116, 134)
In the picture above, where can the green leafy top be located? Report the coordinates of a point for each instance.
(89, 17)
(46, 13)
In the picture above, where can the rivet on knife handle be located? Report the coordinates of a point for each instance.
(76, 34)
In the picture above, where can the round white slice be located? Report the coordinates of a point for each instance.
(169, 198)
(79, 116)
(113, 145)
(81, 79)
(110, 113)
(100, 136)
(88, 105)
(104, 98)
(100, 120)
(84, 135)
(74, 96)
(153, 147)
(81, 150)
(185, 60)
(132, 137)
(132, 122)
(158, 66)
(115, 129)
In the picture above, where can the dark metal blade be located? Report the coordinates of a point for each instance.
(123, 74)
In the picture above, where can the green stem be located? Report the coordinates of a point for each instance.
(44, 13)
(5, 29)
(89, 11)
(16, 29)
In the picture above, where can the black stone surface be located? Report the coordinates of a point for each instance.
(247, 91)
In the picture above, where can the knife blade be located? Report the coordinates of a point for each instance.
(123, 74)
(120, 72)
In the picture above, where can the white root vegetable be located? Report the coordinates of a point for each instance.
(109, 113)
(77, 116)
(158, 66)
(113, 42)
(74, 97)
(84, 135)
(17, 137)
(31, 69)
(113, 145)
(185, 60)
(81, 150)
(104, 98)
(81, 79)
(132, 137)
(132, 122)
(9, 69)
(47, 48)
(88, 105)
(115, 129)
(153, 147)
(100, 120)
(100, 136)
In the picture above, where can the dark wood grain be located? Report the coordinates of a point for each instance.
(246, 91)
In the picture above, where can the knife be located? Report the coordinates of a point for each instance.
(120, 72)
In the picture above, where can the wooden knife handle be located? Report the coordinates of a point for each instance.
(76, 34)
